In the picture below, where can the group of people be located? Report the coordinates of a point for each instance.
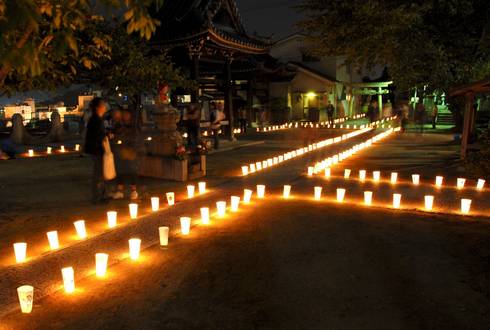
(120, 131)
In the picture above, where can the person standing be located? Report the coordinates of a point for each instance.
(434, 114)
(330, 112)
(373, 111)
(193, 123)
(242, 119)
(126, 133)
(419, 116)
(215, 118)
(95, 135)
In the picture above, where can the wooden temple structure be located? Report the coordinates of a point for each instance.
(207, 40)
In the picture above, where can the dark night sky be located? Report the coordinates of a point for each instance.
(268, 17)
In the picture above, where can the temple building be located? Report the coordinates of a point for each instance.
(207, 40)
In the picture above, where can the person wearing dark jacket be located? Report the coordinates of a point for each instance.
(96, 134)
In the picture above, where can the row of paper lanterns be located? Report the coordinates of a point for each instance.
(50, 150)
(261, 165)
(376, 177)
(26, 292)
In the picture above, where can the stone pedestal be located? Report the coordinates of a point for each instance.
(158, 160)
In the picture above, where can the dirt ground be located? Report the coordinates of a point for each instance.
(293, 264)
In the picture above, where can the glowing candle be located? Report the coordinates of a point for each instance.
(340, 195)
(20, 251)
(376, 176)
(260, 191)
(26, 298)
(252, 168)
(318, 193)
(163, 233)
(202, 187)
(465, 205)
(49, 150)
(190, 191)
(155, 204)
(328, 172)
(68, 279)
(247, 195)
(264, 164)
(480, 184)
(77, 147)
(362, 175)
(310, 170)
(62, 149)
(397, 200)
(31, 153)
(286, 191)
(101, 264)
(416, 179)
(235, 202)
(460, 183)
(269, 162)
(429, 202)
(170, 198)
(394, 177)
(439, 180)
(53, 239)
(133, 210)
(205, 215)
(259, 166)
(368, 198)
(244, 170)
(80, 228)
(134, 248)
(346, 173)
(112, 219)
(185, 225)
(221, 208)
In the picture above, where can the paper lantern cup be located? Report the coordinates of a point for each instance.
(260, 191)
(77, 147)
(134, 248)
(205, 215)
(286, 192)
(221, 208)
(481, 184)
(460, 183)
(247, 195)
(101, 264)
(30, 153)
(68, 279)
(202, 187)
(112, 219)
(190, 191)
(428, 202)
(26, 298)
(133, 210)
(394, 178)
(53, 239)
(328, 172)
(376, 176)
(62, 149)
(20, 251)
(163, 234)
(185, 225)
(340, 195)
(415, 179)
(318, 193)
(49, 150)
(362, 175)
(465, 206)
(310, 170)
(368, 198)
(397, 198)
(235, 202)
(80, 228)
(439, 180)
(170, 198)
(346, 173)
(252, 168)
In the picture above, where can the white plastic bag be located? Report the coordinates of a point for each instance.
(109, 168)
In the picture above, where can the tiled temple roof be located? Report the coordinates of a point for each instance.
(188, 21)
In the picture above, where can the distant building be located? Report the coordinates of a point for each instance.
(23, 109)
(309, 82)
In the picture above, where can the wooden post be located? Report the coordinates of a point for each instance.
(469, 97)
(228, 89)
(195, 76)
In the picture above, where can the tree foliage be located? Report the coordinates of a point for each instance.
(135, 68)
(438, 43)
(44, 43)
